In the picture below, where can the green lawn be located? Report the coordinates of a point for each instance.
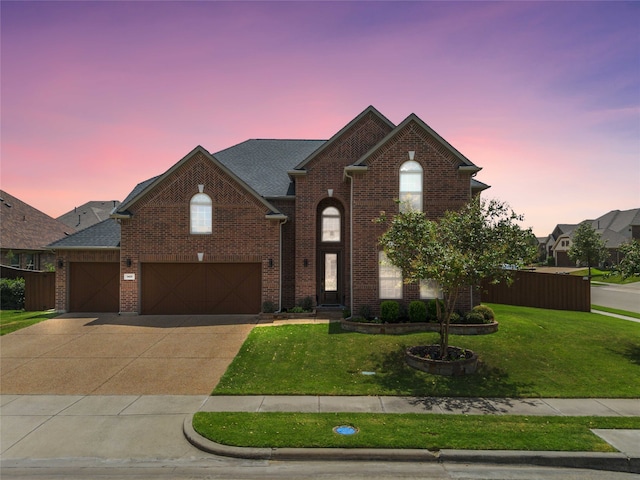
(427, 431)
(12, 320)
(535, 353)
(605, 276)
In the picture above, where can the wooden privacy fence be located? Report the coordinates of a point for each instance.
(542, 290)
(39, 287)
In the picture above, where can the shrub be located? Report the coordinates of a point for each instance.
(432, 311)
(455, 318)
(346, 313)
(486, 312)
(474, 318)
(389, 311)
(268, 307)
(417, 311)
(365, 312)
(12, 293)
(296, 310)
(306, 304)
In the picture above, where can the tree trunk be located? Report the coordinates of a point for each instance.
(450, 299)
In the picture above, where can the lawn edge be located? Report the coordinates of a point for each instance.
(614, 461)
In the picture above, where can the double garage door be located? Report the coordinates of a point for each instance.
(168, 288)
(201, 288)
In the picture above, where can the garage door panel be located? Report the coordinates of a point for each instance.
(94, 287)
(201, 288)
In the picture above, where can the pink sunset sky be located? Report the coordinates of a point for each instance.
(545, 97)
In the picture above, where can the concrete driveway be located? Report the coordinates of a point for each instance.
(108, 354)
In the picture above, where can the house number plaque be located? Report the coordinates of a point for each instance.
(129, 276)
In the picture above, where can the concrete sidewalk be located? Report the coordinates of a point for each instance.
(608, 407)
(107, 429)
(626, 441)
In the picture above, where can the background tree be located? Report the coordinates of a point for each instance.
(587, 246)
(460, 250)
(629, 266)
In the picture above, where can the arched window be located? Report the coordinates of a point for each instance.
(201, 213)
(331, 225)
(410, 186)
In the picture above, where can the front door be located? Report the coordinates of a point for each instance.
(330, 253)
(329, 281)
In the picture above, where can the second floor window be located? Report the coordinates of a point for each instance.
(201, 213)
(410, 186)
(330, 224)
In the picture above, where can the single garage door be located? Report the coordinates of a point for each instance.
(201, 288)
(94, 287)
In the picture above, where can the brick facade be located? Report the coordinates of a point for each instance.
(356, 171)
(63, 260)
(159, 229)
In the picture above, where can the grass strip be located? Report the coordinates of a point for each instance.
(605, 276)
(12, 320)
(535, 353)
(432, 432)
(617, 311)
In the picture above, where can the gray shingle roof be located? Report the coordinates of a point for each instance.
(137, 189)
(263, 164)
(105, 234)
(88, 214)
(26, 228)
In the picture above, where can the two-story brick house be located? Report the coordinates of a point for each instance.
(271, 222)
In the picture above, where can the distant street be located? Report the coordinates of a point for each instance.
(623, 297)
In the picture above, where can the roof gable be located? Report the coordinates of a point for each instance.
(336, 138)
(440, 144)
(144, 188)
(25, 227)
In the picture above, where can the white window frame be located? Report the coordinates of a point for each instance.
(201, 214)
(389, 279)
(330, 213)
(411, 199)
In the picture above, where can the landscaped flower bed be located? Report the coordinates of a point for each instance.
(402, 328)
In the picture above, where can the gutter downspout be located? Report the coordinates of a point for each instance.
(280, 267)
(352, 179)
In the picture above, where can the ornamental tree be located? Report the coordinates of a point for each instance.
(587, 246)
(629, 266)
(460, 250)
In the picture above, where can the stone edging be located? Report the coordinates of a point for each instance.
(401, 328)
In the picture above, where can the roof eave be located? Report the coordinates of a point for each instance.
(280, 197)
(276, 216)
(55, 248)
(297, 173)
(354, 170)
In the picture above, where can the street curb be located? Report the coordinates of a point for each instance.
(615, 462)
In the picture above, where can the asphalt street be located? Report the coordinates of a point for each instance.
(622, 297)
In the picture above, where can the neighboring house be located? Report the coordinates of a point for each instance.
(24, 234)
(267, 223)
(615, 227)
(88, 214)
